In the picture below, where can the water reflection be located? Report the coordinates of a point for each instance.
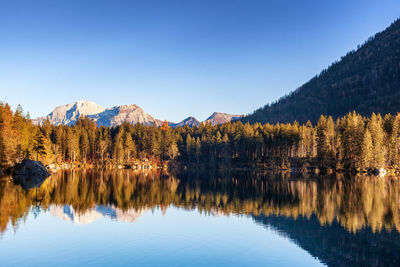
(27, 182)
(68, 213)
(354, 203)
(333, 245)
(340, 221)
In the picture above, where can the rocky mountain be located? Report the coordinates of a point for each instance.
(126, 113)
(219, 118)
(189, 121)
(68, 114)
(366, 80)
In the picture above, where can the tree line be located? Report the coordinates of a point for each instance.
(350, 142)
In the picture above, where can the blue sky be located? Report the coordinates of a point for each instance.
(175, 58)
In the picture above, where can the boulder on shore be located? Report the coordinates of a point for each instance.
(30, 173)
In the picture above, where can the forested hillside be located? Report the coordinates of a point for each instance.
(366, 80)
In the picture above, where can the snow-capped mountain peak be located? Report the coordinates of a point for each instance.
(68, 114)
(119, 114)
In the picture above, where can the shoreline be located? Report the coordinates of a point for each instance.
(146, 165)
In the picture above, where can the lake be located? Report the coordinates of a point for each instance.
(119, 218)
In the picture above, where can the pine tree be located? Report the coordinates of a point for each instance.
(367, 150)
(72, 144)
(322, 142)
(173, 150)
(84, 145)
(102, 145)
(39, 144)
(129, 147)
(394, 147)
(377, 134)
(3, 157)
(226, 153)
(198, 150)
(118, 152)
(155, 146)
(189, 147)
(351, 130)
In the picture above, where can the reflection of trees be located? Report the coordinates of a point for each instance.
(353, 203)
(333, 245)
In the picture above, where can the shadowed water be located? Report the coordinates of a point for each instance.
(145, 219)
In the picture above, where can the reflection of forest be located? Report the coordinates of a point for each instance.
(353, 203)
(333, 245)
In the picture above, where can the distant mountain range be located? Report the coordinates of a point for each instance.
(68, 114)
(366, 80)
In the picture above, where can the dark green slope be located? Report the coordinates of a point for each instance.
(366, 80)
(335, 246)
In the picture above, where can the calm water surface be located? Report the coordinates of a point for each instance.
(120, 218)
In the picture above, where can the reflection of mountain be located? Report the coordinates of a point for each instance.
(68, 213)
(333, 245)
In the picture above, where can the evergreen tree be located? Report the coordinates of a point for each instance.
(322, 142)
(367, 150)
(39, 145)
(173, 150)
(129, 147)
(226, 153)
(377, 134)
(198, 150)
(189, 147)
(84, 145)
(394, 145)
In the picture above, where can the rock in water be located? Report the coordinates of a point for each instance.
(30, 173)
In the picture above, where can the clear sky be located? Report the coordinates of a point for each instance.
(175, 58)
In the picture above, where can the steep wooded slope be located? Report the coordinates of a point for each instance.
(366, 80)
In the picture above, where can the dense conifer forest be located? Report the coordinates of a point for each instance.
(349, 143)
(366, 80)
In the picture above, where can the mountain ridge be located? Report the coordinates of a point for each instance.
(68, 114)
(125, 113)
